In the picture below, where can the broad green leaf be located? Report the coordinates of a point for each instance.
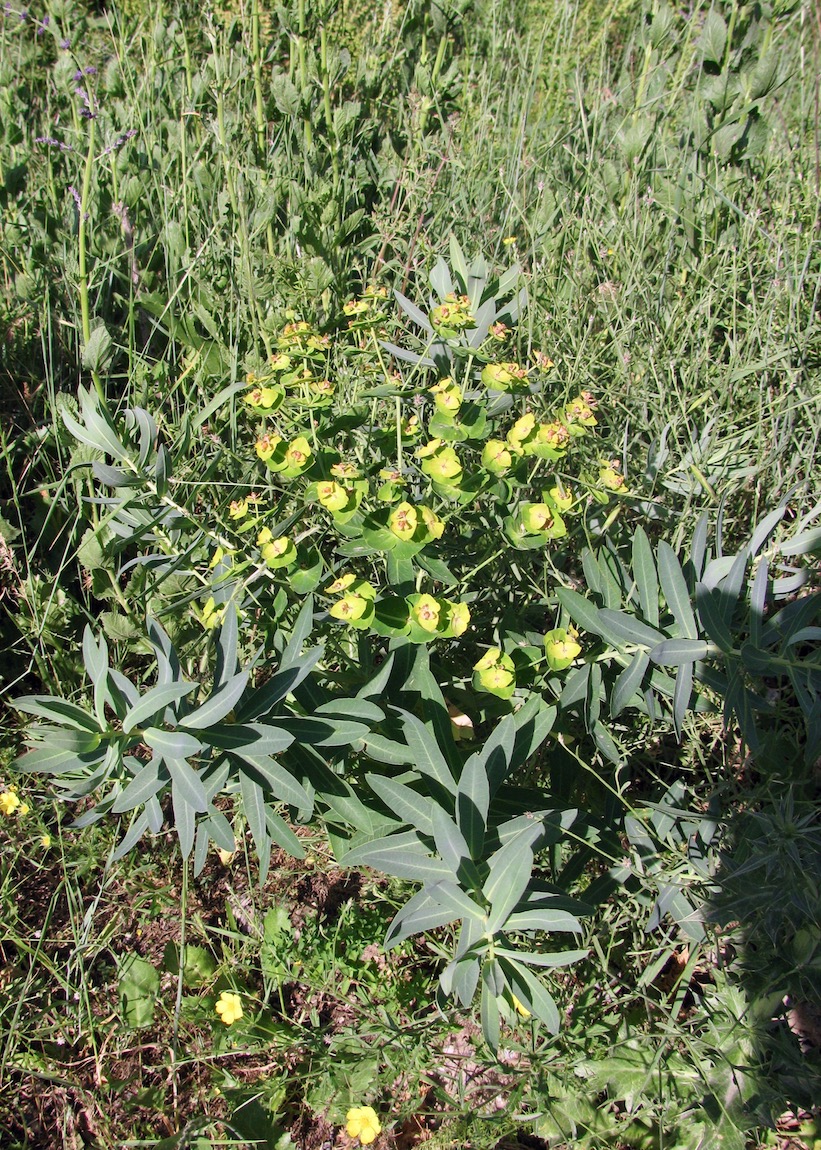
(357, 710)
(473, 794)
(582, 612)
(138, 827)
(257, 739)
(330, 732)
(681, 695)
(281, 782)
(546, 919)
(550, 961)
(253, 802)
(533, 721)
(490, 1011)
(531, 993)
(427, 757)
(451, 896)
(413, 312)
(713, 617)
(138, 985)
(54, 761)
(260, 702)
(406, 925)
(187, 783)
(510, 869)
(95, 658)
(677, 652)
(675, 590)
(465, 979)
(282, 835)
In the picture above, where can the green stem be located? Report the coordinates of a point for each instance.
(180, 971)
(82, 247)
(326, 99)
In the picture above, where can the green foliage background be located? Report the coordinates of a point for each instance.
(633, 190)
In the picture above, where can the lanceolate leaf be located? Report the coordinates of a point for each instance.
(628, 682)
(256, 739)
(490, 1010)
(544, 920)
(144, 786)
(172, 744)
(57, 711)
(675, 590)
(427, 757)
(644, 572)
(550, 961)
(510, 869)
(677, 652)
(281, 782)
(184, 819)
(681, 695)
(531, 993)
(629, 629)
(187, 783)
(450, 842)
(220, 704)
(404, 801)
(155, 699)
(473, 797)
(713, 617)
(403, 856)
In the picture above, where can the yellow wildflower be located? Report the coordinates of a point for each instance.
(520, 1006)
(362, 1122)
(9, 802)
(229, 1007)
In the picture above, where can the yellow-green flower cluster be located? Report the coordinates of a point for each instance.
(440, 463)
(495, 673)
(447, 397)
(453, 316)
(561, 647)
(276, 552)
(417, 524)
(356, 603)
(506, 376)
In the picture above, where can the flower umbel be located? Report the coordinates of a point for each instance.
(229, 1007)
(362, 1122)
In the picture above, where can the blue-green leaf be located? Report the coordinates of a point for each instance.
(220, 703)
(403, 856)
(628, 682)
(156, 699)
(57, 711)
(675, 590)
(406, 803)
(644, 572)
